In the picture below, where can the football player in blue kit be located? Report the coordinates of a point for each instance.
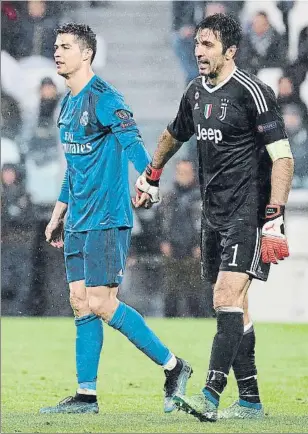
(99, 137)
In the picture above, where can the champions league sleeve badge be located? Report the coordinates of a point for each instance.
(123, 114)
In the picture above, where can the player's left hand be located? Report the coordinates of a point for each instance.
(274, 243)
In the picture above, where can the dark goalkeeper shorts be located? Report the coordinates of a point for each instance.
(235, 249)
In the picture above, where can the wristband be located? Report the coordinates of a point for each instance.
(273, 211)
(153, 174)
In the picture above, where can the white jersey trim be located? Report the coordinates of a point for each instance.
(256, 85)
(212, 89)
(254, 90)
(257, 253)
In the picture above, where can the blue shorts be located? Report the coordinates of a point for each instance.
(98, 257)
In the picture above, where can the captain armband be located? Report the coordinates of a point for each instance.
(279, 149)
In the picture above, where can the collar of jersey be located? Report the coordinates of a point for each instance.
(222, 83)
(84, 89)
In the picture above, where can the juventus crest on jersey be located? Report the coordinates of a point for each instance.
(233, 122)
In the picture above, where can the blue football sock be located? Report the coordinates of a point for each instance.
(131, 324)
(256, 405)
(210, 397)
(89, 342)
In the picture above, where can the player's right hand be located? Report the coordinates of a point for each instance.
(274, 243)
(54, 233)
(147, 188)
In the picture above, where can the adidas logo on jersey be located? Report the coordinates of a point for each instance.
(209, 134)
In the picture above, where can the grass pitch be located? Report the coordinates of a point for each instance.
(38, 370)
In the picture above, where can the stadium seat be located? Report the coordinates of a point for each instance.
(270, 76)
(35, 68)
(9, 152)
(274, 14)
(101, 54)
(43, 181)
(30, 70)
(11, 77)
(298, 19)
(304, 91)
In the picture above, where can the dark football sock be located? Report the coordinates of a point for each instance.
(244, 368)
(225, 346)
(90, 399)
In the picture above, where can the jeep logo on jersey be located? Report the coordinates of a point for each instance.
(209, 134)
(207, 110)
(84, 120)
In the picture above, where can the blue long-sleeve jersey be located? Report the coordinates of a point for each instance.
(99, 137)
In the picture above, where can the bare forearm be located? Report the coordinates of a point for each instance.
(282, 174)
(167, 147)
(59, 211)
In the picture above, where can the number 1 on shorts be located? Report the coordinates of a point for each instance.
(233, 263)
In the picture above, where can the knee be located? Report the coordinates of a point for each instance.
(221, 301)
(79, 304)
(103, 305)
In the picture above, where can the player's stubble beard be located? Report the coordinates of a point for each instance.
(65, 75)
(214, 74)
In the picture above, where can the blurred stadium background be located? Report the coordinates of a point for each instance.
(144, 49)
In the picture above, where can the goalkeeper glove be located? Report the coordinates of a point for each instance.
(274, 243)
(148, 182)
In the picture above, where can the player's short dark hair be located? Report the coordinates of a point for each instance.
(226, 27)
(184, 161)
(262, 13)
(83, 33)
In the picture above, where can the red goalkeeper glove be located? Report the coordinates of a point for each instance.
(148, 182)
(274, 244)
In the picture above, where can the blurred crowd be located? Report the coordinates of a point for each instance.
(274, 47)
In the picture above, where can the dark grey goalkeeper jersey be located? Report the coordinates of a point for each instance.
(233, 122)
